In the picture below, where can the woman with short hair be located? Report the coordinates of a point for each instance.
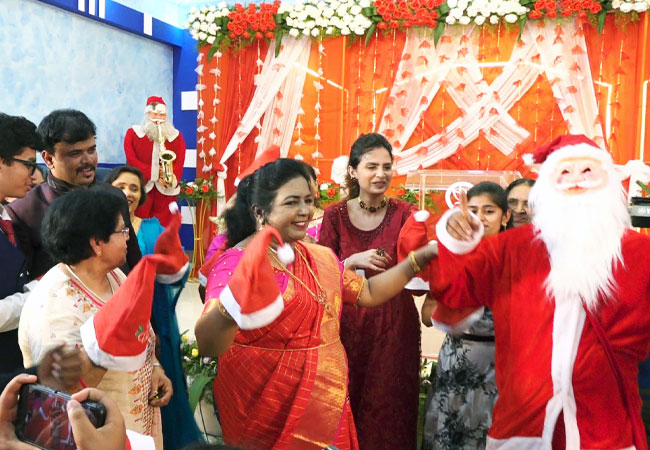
(85, 232)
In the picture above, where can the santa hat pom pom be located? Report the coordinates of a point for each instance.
(285, 254)
(421, 216)
(173, 207)
(529, 159)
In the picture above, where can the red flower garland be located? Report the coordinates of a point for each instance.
(253, 23)
(407, 13)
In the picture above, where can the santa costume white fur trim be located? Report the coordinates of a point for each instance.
(106, 360)
(461, 326)
(454, 245)
(417, 284)
(171, 278)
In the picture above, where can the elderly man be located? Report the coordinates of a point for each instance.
(71, 155)
(569, 294)
(158, 150)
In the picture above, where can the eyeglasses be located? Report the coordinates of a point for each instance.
(30, 164)
(124, 231)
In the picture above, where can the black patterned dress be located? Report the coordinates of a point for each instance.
(459, 411)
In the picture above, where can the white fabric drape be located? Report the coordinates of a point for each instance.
(280, 116)
(268, 83)
(563, 52)
(419, 77)
(484, 108)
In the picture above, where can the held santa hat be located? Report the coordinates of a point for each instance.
(412, 236)
(252, 296)
(116, 336)
(269, 155)
(156, 104)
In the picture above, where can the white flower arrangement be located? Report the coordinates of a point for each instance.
(629, 6)
(464, 12)
(320, 17)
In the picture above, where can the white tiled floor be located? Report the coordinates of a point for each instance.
(189, 309)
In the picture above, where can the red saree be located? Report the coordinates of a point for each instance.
(284, 386)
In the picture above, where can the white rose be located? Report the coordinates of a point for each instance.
(210, 40)
(321, 6)
(194, 34)
(315, 32)
(210, 17)
(364, 3)
(511, 18)
(329, 30)
(464, 20)
(462, 4)
(452, 3)
(202, 36)
(522, 10)
(626, 7)
(334, 5)
(640, 6)
(328, 12)
(293, 32)
(456, 13)
(345, 31)
(222, 5)
(342, 10)
(479, 20)
(298, 7)
(494, 20)
(324, 186)
(196, 26)
(356, 9)
(204, 9)
(312, 10)
(450, 20)
(309, 25)
(359, 31)
(347, 19)
(204, 26)
(472, 11)
(213, 8)
(305, 32)
(302, 16)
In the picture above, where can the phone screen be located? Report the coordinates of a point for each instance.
(42, 418)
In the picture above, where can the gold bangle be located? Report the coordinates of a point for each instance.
(414, 263)
(224, 312)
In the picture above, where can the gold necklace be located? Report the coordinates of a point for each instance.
(320, 296)
(83, 285)
(372, 209)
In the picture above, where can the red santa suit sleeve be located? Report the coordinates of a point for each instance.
(130, 143)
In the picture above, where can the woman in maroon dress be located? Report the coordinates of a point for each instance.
(382, 344)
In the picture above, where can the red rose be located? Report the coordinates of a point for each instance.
(246, 35)
(259, 36)
(331, 192)
(535, 15)
(189, 190)
(205, 188)
(232, 35)
(269, 35)
(551, 14)
(566, 13)
(394, 24)
(382, 25)
(401, 192)
(407, 24)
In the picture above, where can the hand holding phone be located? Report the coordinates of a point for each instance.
(8, 412)
(108, 437)
(42, 417)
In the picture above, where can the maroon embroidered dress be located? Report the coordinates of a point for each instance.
(382, 343)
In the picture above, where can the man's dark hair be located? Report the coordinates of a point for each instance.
(73, 219)
(115, 173)
(16, 133)
(65, 125)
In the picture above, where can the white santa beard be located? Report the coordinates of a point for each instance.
(151, 129)
(582, 233)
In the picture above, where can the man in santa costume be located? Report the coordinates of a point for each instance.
(142, 146)
(570, 295)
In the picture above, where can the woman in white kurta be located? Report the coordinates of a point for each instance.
(86, 232)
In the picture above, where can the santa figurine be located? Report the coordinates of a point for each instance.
(570, 295)
(158, 150)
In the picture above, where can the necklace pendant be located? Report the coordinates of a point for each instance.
(322, 298)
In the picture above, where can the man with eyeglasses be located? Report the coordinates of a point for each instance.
(18, 144)
(70, 153)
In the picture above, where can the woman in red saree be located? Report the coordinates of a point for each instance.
(284, 385)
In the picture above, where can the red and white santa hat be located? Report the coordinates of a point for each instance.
(252, 296)
(116, 336)
(156, 104)
(570, 145)
(413, 235)
(269, 155)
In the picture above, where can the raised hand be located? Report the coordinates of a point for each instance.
(460, 225)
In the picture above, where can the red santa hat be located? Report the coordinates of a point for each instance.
(252, 296)
(571, 145)
(413, 235)
(156, 104)
(269, 155)
(116, 336)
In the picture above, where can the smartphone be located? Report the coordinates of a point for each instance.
(42, 418)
